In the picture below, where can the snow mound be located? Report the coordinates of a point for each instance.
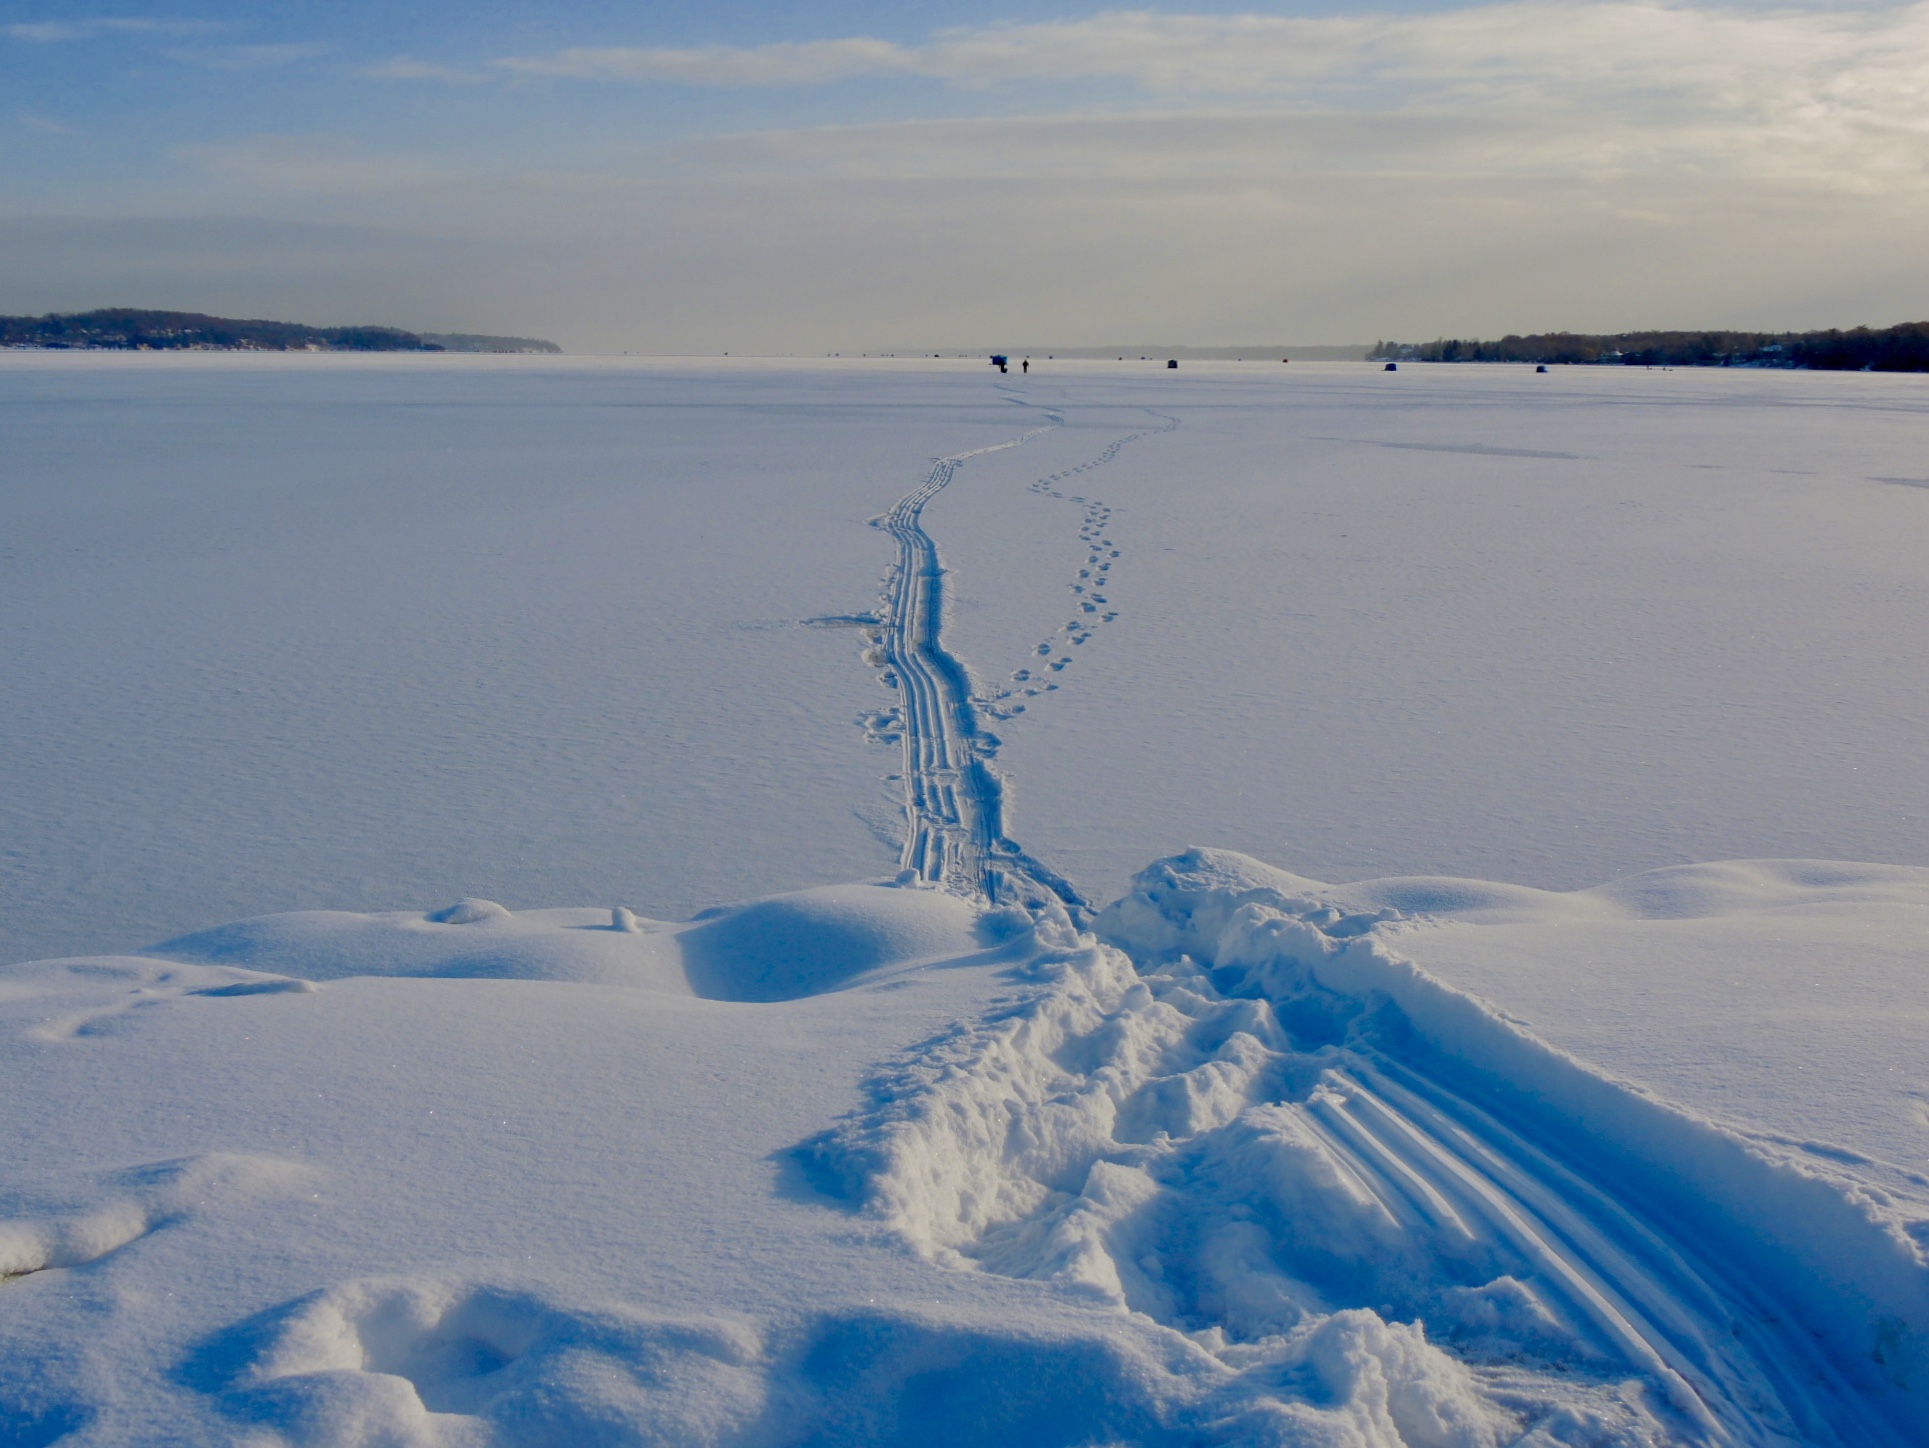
(1249, 1118)
(97, 995)
(813, 941)
(471, 911)
(402, 1362)
(781, 948)
(475, 938)
(1182, 904)
(70, 1228)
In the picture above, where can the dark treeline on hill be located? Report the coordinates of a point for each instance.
(127, 329)
(1903, 348)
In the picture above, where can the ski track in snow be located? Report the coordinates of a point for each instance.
(1722, 1354)
(1473, 1208)
(953, 798)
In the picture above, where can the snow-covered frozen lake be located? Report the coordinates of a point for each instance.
(325, 634)
(1415, 1159)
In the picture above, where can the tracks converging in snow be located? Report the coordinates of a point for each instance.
(953, 798)
(953, 802)
(1240, 1118)
(1230, 1146)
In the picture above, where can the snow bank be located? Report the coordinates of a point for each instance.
(1238, 1170)
(825, 939)
(1785, 1231)
(1247, 1117)
(781, 948)
(473, 939)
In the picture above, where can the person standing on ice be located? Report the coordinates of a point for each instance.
(1025, 366)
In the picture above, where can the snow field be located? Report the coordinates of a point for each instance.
(1243, 1157)
(297, 636)
(1274, 1181)
(299, 633)
(1458, 620)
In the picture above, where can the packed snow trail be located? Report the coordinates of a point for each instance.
(1202, 1129)
(1408, 1151)
(1721, 1350)
(1247, 1119)
(953, 799)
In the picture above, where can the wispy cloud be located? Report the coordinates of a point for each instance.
(247, 57)
(53, 32)
(311, 166)
(44, 125)
(402, 67)
(1618, 52)
(805, 63)
(1630, 83)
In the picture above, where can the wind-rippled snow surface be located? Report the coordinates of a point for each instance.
(961, 1154)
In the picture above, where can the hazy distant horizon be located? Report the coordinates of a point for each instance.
(743, 177)
(1134, 351)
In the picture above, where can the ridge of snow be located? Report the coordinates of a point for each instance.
(803, 943)
(1242, 1113)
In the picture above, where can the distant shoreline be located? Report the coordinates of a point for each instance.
(1901, 348)
(126, 329)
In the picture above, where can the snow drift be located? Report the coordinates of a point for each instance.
(1249, 1117)
(1233, 1168)
(781, 948)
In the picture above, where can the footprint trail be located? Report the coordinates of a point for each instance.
(1089, 588)
(953, 799)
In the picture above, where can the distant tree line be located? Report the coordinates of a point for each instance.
(125, 329)
(1903, 348)
(482, 342)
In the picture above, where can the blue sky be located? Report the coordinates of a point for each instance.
(848, 176)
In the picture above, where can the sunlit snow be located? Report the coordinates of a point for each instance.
(783, 903)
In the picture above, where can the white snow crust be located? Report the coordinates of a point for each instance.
(953, 1155)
